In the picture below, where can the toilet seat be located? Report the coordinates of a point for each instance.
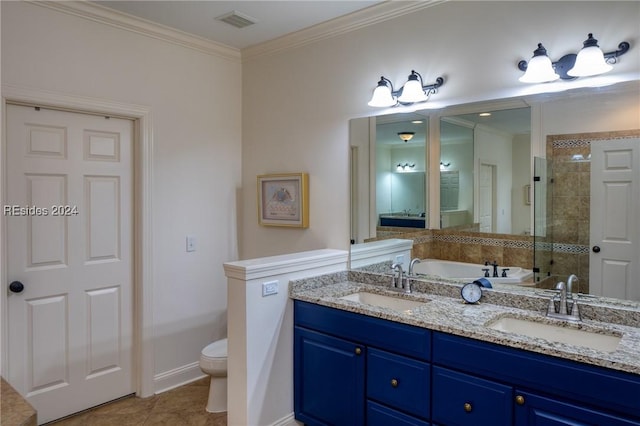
(213, 359)
(217, 349)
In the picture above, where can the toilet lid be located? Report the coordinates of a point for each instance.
(217, 349)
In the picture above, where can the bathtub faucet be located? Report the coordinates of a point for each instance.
(495, 267)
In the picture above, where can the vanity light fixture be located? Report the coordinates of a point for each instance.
(589, 61)
(413, 91)
(406, 136)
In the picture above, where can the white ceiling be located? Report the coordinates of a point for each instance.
(516, 121)
(273, 18)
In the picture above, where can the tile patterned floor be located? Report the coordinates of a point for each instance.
(181, 406)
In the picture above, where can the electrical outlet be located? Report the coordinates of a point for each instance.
(191, 243)
(269, 288)
(400, 258)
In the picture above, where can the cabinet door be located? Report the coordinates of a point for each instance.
(460, 399)
(328, 380)
(535, 410)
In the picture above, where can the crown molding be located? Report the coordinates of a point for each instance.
(372, 15)
(117, 19)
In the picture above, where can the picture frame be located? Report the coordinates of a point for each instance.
(283, 200)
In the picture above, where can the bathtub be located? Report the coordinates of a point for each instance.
(468, 272)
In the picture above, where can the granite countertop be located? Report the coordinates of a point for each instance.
(444, 311)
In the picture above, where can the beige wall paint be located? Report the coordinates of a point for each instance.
(196, 112)
(297, 102)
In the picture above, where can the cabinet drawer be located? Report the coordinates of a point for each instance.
(406, 339)
(400, 382)
(460, 399)
(564, 378)
(536, 410)
(379, 415)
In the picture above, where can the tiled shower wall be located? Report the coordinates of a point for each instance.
(471, 247)
(568, 203)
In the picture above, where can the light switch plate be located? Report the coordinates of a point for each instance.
(191, 243)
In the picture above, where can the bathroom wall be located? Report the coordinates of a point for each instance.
(299, 95)
(521, 172)
(492, 147)
(195, 105)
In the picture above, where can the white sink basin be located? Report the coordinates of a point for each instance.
(380, 300)
(556, 333)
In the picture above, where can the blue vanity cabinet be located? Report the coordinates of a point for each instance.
(329, 380)
(523, 388)
(352, 369)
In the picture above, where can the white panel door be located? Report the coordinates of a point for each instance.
(69, 219)
(614, 263)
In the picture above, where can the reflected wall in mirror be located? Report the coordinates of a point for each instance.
(401, 170)
(388, 175)
(491, 151)
(577, 112)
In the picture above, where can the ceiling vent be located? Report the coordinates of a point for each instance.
(237, 19)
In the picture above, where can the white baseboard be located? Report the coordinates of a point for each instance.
(177, 377)
(288, 420)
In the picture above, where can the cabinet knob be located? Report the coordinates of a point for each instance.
(394, 383)
(520, 400)
(358, 351)
(468, 407)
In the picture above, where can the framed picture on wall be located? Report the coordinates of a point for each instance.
(283, 200)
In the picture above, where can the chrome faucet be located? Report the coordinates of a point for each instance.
(569, 313)
(401, 281)
(570, 281)
(412, 264)
(398, 279)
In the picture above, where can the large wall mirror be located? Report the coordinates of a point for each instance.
(478, 165)
(485, 171)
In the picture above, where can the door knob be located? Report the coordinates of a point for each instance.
(596, 249)
(16, 287)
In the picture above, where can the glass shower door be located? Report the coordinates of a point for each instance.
(543, 229)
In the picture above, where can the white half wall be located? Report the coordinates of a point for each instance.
(260, 333)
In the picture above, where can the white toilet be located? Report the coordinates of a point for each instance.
(213, 361)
